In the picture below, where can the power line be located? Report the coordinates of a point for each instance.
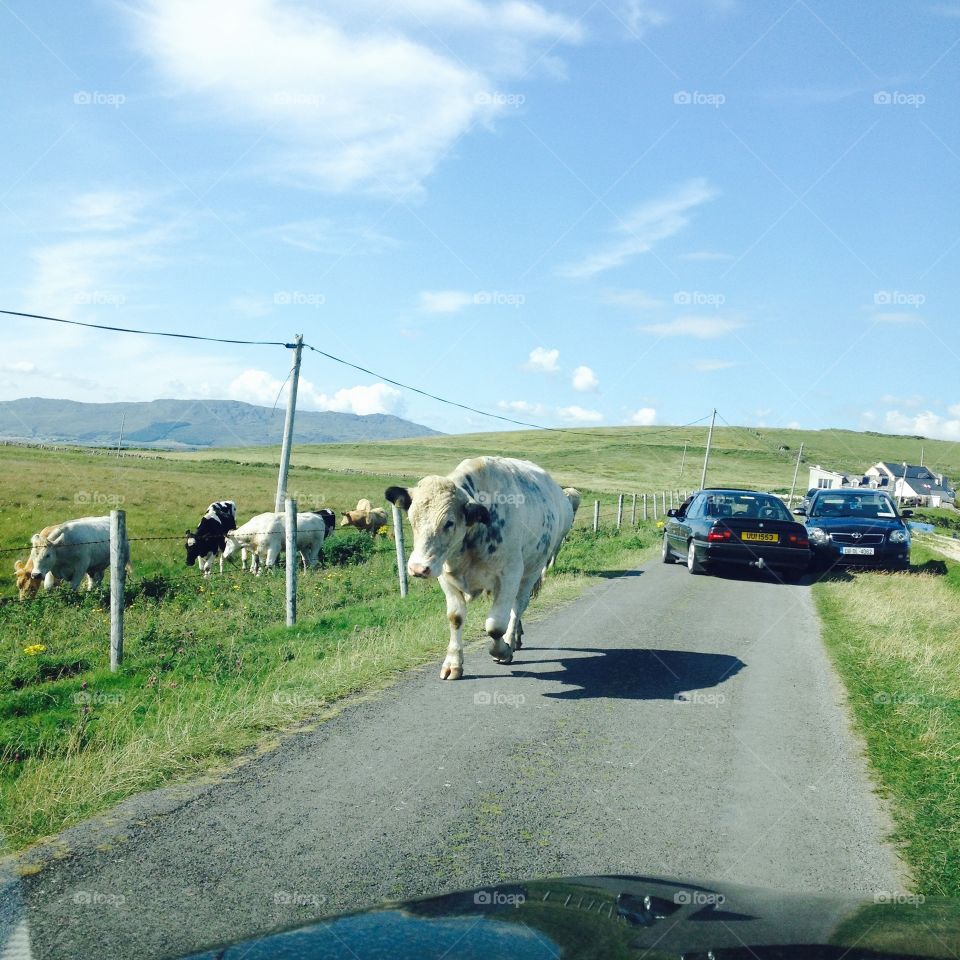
(148, 333)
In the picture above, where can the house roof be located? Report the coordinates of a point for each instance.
(913, 472)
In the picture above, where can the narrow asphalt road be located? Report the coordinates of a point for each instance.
(663, 724)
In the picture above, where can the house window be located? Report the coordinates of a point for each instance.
(824, 483)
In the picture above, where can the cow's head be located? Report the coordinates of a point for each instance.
(232, 545)
(43, 553)
(27, 585)
(193, 548)
(347, 518)
(440, 513)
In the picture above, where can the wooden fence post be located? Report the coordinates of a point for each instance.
(619, 510)
(596, 515)
(633, 511)
(644, 507)
(401, 555)
(119, 554)
(654, 504)
(293, 561)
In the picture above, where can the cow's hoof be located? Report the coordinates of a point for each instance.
(503, 657)
(448, 672)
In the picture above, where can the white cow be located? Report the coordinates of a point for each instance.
(492, 526)
(264, 537)
(74, 551)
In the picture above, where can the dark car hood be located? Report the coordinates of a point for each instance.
(863, 524)
(622, 917)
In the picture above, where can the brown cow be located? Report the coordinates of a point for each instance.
(364, 517)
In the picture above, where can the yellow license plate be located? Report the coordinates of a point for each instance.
(761, 537)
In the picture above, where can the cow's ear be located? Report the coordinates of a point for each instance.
(18, 565)
(56, 536)
(400, 496)
(476, 513)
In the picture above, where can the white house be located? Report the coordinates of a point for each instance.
(821, 479)
(909, 482)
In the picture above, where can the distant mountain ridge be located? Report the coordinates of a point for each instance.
(189, 424)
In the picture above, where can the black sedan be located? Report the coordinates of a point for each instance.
(857, 526)
(737, 527)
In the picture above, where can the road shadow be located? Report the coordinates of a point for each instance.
(611, 574)
(753, 575)
(630, 674)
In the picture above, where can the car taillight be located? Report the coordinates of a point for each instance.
(796, 541)
(718, 535)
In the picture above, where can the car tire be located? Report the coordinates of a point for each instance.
(694, 564)
(665, 553)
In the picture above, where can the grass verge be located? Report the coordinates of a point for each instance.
(895, 640)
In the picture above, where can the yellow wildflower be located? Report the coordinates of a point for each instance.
(34, 649)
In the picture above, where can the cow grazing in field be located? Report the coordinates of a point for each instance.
(210, 537)
(329, 519)
(74, 551)
(491, 526)
(264, 537)
(364, 517)
(27, 585)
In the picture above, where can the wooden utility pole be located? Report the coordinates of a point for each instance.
(706, 456)
(288, 424)
(123, 417)
(796, 470)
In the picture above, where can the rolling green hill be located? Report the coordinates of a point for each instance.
(628, 459)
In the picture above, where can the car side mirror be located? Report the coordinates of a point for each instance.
(906, 513)
(673, 513)
(800, 511)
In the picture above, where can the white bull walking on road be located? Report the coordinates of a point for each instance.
(491, 526)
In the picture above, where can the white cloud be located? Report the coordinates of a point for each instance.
(640, 17)
(106, 210)
(522, 406)
(543, 360)
(261, 387)
(19, 366)
(641, 229)
(635, 299)
(896, 317)
(925, 424)
(347, 96)
(444, 301)
(644, 417)
(326, 236)
(703, 328)
(585, 380)
(577, 414)
(251, 307)
(709, 366)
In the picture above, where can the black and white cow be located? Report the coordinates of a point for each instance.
(491, 526)
(329, 519)
(210, 537)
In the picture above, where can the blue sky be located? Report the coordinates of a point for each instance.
(575, 213)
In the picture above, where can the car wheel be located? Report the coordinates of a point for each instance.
(694, 565)
(665, 555)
